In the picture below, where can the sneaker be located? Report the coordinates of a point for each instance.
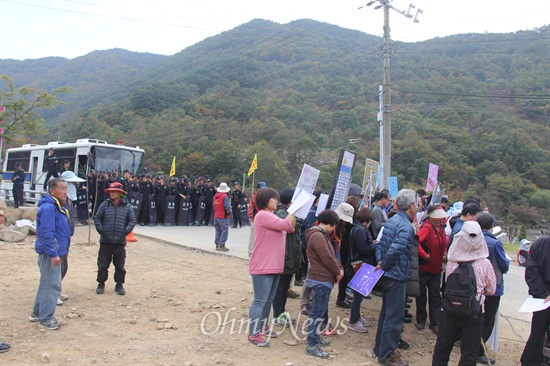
(258, 341)
(365, 322)
(404, 345)
(483, 360)
(420, 326)
(298, 283)
(393, 360)
(51, 325)
(434, 328)
(358, 327)
(283, 320)
(305, 310)
(63, 297)
(329, 331)
(59, 302)
(343, 304)
(316, 351)
(293, 294)
(33, 317)
(119, 289)
(268, 333)
(100, 289)
(4, 347)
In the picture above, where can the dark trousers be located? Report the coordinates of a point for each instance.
(281, 295)
(491, 309)
(143, 211)
(115, 253)
(64, 264)
(449, 329)
(429, 290)
(160, 211)
(540, 326)
(207, 213)
(48, 176)
(236, 211)
(18, 195)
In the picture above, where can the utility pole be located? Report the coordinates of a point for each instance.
(384, 113)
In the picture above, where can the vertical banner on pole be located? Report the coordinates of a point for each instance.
(393, 188)
(342, 179)
(432, 177)
(371, 172)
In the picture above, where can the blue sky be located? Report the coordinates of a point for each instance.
(31, 29)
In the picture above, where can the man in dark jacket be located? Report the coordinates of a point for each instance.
(537, 276)
(51, 163)
(394, 256)
(18, 180)
(113, 221)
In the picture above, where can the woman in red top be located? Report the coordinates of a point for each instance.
(432, 252)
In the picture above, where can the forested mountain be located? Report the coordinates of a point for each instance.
(477, 105)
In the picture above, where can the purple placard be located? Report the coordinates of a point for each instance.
(365, 279)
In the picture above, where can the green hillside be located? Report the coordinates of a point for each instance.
(477, 105)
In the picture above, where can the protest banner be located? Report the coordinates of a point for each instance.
(365, 279)
(431, 183)
(342, 179)
(371, 173)
(393, 188)
(307, 181)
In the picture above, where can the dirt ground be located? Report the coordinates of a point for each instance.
(177, 302)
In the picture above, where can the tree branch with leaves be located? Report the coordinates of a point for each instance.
(21, 108)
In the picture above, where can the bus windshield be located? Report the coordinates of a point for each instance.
(107, 158)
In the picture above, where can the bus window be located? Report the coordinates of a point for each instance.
(22, 157)
(82, 166)
(63, 155)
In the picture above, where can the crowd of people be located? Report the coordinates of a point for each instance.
(427, 254)
(453, 266)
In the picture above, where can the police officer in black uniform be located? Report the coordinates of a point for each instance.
(18, 180)
(160, 197)
(209, 191)
(237, 197)
(51, 162)
(147, 190)
(196, 193)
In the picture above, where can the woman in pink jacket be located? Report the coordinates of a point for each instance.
(266, 262)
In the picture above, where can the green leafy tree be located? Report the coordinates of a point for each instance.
(21, 115)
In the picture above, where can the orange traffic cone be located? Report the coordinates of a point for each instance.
(130, 237)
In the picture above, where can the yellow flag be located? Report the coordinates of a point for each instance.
(173, 168)
(254, 165)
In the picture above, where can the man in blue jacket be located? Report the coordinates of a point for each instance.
(53, 234)
(394, 256)
(113, 221)
(501, 265)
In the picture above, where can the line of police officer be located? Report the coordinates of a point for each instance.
(157, 189)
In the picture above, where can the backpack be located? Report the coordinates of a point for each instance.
(460, 297)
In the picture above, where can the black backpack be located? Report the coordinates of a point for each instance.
(460, 298)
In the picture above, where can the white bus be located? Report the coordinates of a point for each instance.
(83, 155)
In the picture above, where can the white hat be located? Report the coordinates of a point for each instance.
(345, 212)
(223, 188)
(438, 213)
(69, 176)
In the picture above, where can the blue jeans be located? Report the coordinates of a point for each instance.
(355, 313)
(265, 287)
(222, 231)
(391, 317)
(318, 316)
(49, 289)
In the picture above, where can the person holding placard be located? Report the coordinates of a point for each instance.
(537, 277)
(266, 263)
